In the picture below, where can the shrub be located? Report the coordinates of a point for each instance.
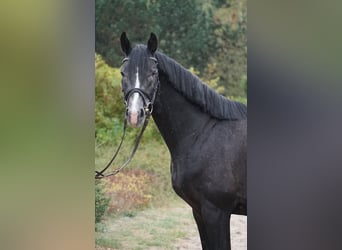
(131, 189)
(109, 108)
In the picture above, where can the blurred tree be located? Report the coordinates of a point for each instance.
(115, 16)
(184, 29)
(230, 59)
(210, 36)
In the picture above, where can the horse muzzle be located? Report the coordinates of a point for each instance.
(135, 111)
(135, 118)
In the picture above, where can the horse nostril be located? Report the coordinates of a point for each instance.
(126, 112)
(141, 113)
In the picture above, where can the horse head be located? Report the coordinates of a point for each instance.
(139, 79)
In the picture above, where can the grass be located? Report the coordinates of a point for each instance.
(153, 228)
(145, 182)
(144, 210)
(149, 171)
(108, 243)
(145, 213)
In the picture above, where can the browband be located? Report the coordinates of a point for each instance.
(151, 57)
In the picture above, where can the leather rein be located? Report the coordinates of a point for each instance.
(148, 108)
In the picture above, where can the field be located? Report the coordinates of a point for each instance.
(169, 227)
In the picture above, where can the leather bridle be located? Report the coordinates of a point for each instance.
(148, 109)
(147, 100)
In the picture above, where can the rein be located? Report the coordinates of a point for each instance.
(101, 174)
(148, 110)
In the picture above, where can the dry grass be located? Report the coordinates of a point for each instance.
(128, 190)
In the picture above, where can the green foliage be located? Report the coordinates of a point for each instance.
(114, 17)
(185, 30)
(210, 36)
(241, 99)
(230, 59)
(101, 202)
(109, 108)
(211, 82)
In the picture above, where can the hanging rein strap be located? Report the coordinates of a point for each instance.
(101, 174)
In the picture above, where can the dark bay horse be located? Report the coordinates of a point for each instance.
(205, 133)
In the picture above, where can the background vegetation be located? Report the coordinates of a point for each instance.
(208, 38)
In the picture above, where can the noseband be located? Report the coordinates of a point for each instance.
(148, 103)
(148, 108)
(147, 100)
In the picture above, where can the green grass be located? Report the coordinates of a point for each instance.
(153, 228)
(156, 225)
(108, 243)
(152, 157)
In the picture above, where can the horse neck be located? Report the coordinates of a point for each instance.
(176, 117)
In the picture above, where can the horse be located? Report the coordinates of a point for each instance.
(205, 133)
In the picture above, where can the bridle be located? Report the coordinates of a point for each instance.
(147, 100)
(148, 109)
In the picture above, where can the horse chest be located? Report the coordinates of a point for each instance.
(204, 170)
(182, 176)
(188, 173)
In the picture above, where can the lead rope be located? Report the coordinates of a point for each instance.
(100, 174)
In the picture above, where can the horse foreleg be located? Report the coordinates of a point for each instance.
(217, 227)
(201, 229)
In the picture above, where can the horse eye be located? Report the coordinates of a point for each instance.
(122, 74)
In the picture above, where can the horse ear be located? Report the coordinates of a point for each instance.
(125, 44)
(152, 43)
